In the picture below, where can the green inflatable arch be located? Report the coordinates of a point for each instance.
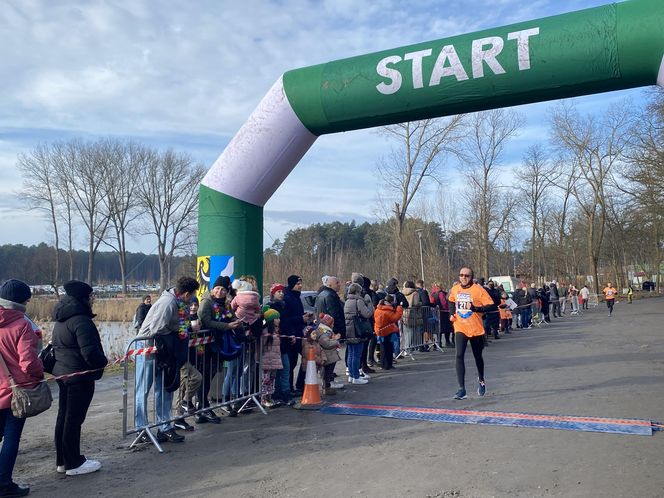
(607, 48)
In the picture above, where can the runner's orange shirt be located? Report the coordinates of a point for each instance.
(610, 292)
(468, 322)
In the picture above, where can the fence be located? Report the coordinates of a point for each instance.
(206, 382)
(420, 329)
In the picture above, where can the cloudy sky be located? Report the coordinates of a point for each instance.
(186, 74)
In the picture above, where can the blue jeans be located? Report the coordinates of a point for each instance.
(11, 429)
(143, 383)
(231, 386)
(282, 382)
(526, 316)
(396, 343)
(354, 359)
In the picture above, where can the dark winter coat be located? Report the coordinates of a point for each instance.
(329, 302)
(76, 341)
(399, 298)
(141, 313)
(280, 306)
(292, 321)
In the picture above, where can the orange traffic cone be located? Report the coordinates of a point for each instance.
(311, 396)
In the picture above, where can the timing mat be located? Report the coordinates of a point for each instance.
(538, 421)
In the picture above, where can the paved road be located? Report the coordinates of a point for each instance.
(589, 365)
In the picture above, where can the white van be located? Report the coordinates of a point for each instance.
(510, 284)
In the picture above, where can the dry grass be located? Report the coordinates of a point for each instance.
(40, 308)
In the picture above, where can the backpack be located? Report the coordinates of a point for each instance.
(226, 345)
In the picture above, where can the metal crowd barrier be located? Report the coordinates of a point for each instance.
(207, 382)
(419, 329)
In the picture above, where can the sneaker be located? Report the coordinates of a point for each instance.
(360, 380)
(350, 379)
(12, 490)
(169, 436)
(336, 385)
(60, 469)
(87, 467)
(183, 425)
(364, 375)
(460, 394)
(481, 388)
(347, 371)
(268, 403)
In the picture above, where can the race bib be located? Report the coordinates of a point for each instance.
(463, 304)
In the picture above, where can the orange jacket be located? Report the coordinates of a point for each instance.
(386, 318)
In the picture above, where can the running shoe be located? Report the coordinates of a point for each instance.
(481, 388)
(460, 394)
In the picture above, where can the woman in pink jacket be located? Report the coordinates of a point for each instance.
(18, 347)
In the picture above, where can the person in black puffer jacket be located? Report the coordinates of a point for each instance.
(77, 348)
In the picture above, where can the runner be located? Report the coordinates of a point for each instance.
(610, 296)
(467, 303)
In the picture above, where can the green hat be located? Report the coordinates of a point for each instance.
(269, 314)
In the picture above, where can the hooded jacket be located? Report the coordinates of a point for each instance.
(399, 298)
(76, 341)
(246, 306)
(356, 305)
(329, 302)
(18, 346)
(386, 318)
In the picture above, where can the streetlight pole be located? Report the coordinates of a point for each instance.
(419, 236)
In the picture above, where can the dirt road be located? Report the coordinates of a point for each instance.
(588, 365)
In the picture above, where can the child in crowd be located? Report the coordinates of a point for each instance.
(246, 306)
(505, 315)
(271, 355)
(329, 342)
(190, 377)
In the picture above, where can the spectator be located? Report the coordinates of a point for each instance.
(217, 316)
(142, 311)
(585, 294)
(412, 317)
(438, 298)
(356, 306)
(246, 306)
(492, 320)
(554, 296)
(270, 356)
(328, 302)
(369, 347)
(190, 377)
(282, 391)
(329, 343)
(165, 322)
(293, 322)
(386, 318)
(18, 348)
(77, 348)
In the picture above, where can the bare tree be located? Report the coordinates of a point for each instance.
(168, 194)
(125, 163)
(482, 151)
(537, 175)
(40, 192)
(594, 146)
(422, 148)
(645, 171)
(84, 167)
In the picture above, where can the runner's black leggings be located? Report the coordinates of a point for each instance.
(476, 344)
(609, 304)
